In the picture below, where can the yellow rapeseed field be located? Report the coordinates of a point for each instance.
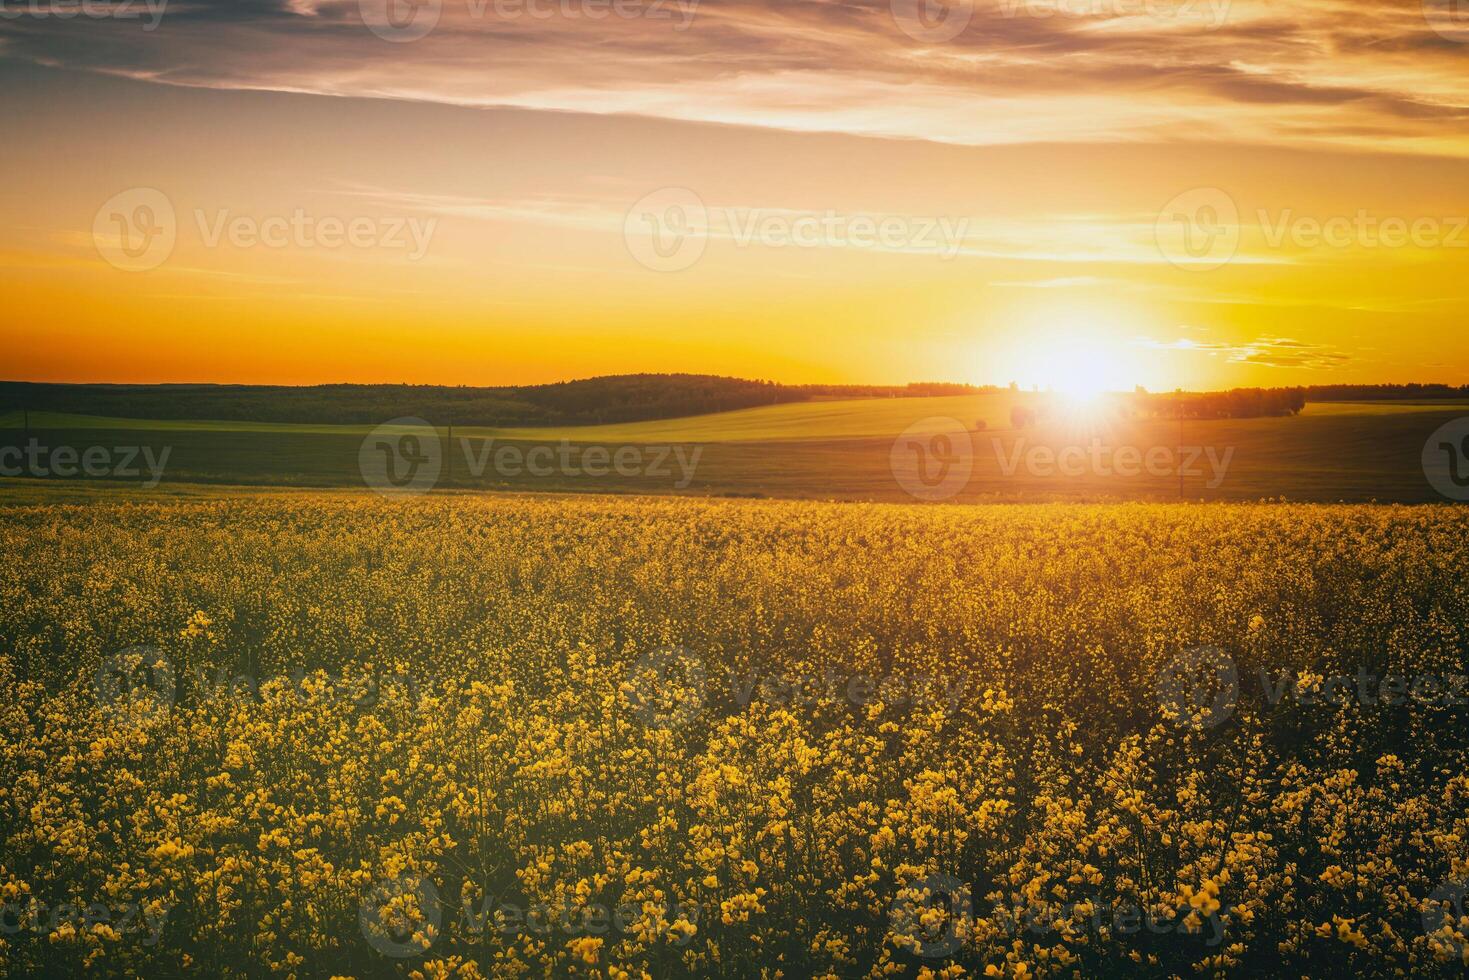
(321, 735)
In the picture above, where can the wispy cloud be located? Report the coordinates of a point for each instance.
(1061, 282)
(1280, 352)
(1353, 74)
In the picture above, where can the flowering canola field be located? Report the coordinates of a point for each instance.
(318, 735)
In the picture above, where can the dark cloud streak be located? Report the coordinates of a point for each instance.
(1316, 73)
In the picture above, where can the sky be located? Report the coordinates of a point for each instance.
(1167, 193)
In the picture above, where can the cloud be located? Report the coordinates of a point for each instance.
(1268, 352)
(1351, 74)
(1060, 282)
(1282, 352)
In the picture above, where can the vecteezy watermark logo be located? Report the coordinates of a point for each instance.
(918, 691)
(1199, 688)
(407, 456)
(1446, 922)
(90, 9)
(569, 460)
(667, 230)
(1363, 230)
(666, 687)
(1311, 690)
(401, 918)
(678, 922)
(1202, 688)
(136, 229)
(1211, 14)
(68, 462)
(1098, 459)
(1196, 917)
(1448, 18)
(1199, 229)
(933, 459)
(137, 679)
(400, 20)
(413, 20)
(123, 920)
(403, 456)
(1446, 459)
(932, 917)
(362, 690)
(302, 230)
(511, 10)
(933, 21)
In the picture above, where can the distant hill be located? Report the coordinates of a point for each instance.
(595, 401)
(612, 400)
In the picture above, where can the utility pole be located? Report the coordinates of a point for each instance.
(1180, 444)
(1180, 455)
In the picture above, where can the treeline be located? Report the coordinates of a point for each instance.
(323, 404)
(620, 398)
(644, 397)
(1238, 403)
(1362, 393)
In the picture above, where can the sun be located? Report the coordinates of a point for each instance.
(1080, 380)
(1080, 370)
(1079, 354)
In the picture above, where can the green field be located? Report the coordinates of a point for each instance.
(833, 450)
(814, 420)
(844, 419)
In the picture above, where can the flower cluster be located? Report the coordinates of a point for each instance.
(529, 806)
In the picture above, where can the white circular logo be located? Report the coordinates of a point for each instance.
(933, 459)
(136, 230)
(1446, 922)
(400, 20)
(1448, 19)
(934, 21)
(1199, 229)
(1199, 688)
(401, 918)
(668, 230)
(667, 688)
(1446, 459)
(138, 678)
(930, 935)
(403, 456)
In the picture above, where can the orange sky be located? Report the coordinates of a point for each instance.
(1194, 193)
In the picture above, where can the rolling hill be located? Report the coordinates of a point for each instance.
(840, 449)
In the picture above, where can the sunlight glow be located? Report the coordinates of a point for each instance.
(1080, 352)
(1079, 368)
(1080, 376)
